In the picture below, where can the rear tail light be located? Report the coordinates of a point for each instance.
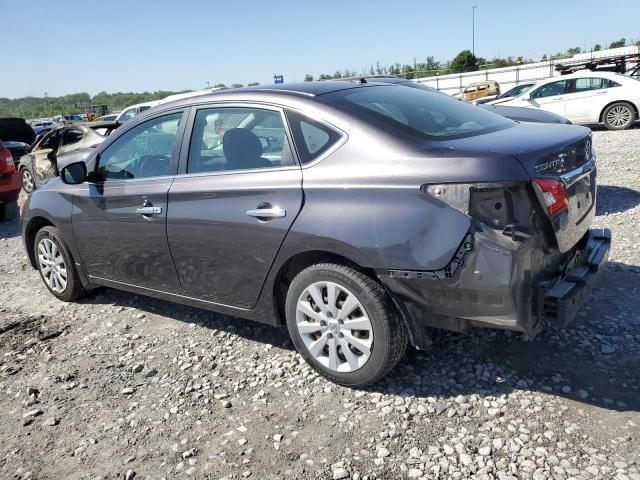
(6, 162)
(553, 194)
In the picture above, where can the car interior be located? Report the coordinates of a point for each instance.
(237, 139)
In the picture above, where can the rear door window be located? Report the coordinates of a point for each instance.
(585, 84)
(312, 138)
(230, 138)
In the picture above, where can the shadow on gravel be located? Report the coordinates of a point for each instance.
(595, 361)
(613, 199)
(602, 128)
(10, 229)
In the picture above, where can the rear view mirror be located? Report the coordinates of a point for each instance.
(74, 173)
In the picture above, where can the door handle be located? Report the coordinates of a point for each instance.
(273, 212)
(149, 210)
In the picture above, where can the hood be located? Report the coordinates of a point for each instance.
(17, 130)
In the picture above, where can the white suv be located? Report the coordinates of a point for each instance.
(130, 112)
(586, 98)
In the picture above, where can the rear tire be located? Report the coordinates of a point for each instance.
(56, 266)
(353, 334)
(618, 116)
(28, 181)
(8, 211)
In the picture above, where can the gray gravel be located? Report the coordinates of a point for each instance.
(122, 386)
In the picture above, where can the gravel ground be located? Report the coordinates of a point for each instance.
(122, 386)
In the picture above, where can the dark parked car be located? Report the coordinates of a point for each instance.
(58, 148)
(356, 214)
(16, 135)
(519, 114)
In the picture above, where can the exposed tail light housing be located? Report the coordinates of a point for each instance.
(553, 193)
(6, 161)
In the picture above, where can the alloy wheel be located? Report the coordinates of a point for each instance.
(334, 326)
(52, 265)
(28, 183)
(619, 116)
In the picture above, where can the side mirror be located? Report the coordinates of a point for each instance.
(74, 173)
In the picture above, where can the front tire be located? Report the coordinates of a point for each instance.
(56, 266)
(28, 181)
(343, 323)
(618, 116)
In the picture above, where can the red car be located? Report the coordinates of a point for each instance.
(10, 185)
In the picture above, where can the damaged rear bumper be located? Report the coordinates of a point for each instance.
(562, 297)
(496, 282)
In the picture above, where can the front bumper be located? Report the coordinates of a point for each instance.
(562, 297)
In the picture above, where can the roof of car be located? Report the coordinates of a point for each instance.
(305, 88)
(301, 90)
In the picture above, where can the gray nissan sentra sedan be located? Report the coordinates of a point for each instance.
(356, 214)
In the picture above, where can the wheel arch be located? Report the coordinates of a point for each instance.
(31, 230)
(633, 106)
(297, 263)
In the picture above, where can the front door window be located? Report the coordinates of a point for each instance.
(148, 150)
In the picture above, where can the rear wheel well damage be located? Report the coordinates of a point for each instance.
(34, 225)
(301, 261)
(294, 266)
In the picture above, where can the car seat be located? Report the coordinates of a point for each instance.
(243, 150)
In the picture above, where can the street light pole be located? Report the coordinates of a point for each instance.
(473, 30)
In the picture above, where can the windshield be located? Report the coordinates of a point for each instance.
(417, 111)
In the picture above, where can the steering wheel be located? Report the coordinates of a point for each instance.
(154, 165)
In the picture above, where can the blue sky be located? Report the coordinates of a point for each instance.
(71, 46)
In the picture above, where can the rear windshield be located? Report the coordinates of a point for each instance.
(418, 111)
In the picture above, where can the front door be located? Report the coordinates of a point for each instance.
(70, 151)
(44, 157)
(551, 97)
(119, 220)
(232, 208)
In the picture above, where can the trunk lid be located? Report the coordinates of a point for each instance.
(559, 152)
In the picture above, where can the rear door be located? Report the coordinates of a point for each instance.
(587, 98)
(238, 193)
(551, 97)
(119, 220)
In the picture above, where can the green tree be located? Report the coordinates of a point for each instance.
(618, 43)
(465, 61)
(597, 47)
(237, 85)
(324, 76)
(308, 77)
(573, 51)
(544, 58)
(219, 85)
(253, 84)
